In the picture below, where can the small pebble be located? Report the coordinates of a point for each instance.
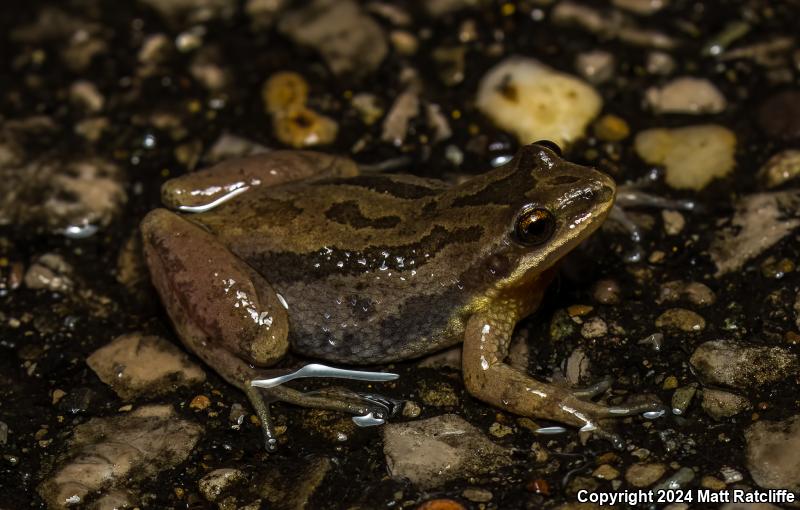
(594, 328)
(610, 128)
(681, 319)
(644, 474)
(595, 66)
(674, 222)
(692, 156)
(411, 409)
(606, 292)
(58, 394)
(776, 269)
(682, 399)
(441, 504)
(499, 430)
(200, 402)
(686, 95)
(659, 62)
(722, 404)
(535, 102)
(606, 472)
(302, 127)
(477, 495)
(712, 482)
(670, 383)
(780, 168)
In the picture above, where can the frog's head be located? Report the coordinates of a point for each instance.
(550, 206)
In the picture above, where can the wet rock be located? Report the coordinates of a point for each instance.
(677, 480)
(155, 50)
(682, 399)
(643, 7)
(773, 453)
(51, 272)
(477, 495)
(368, 106)
(779, 116)
(135, 365)
(681, 319)
(695, 292)
(606, 292)
(594, 328)
(578, 367)
(284, 91)
(438, 394)
(115, 500)
(692, 156)
(207, 69)
(292, 489)
(644, 474)
(78, 40)
(182, 13)
(72, 198)
(535, 102)
(743, 366)
(214, 483)
(686, 95)
(606, 472)
(673, 222)
(659, 62)
(263, 13)
(609, 24)
(349, 40)
(595, 66)
(611, 128)
(759, 222)
(85, 95)
(722, 404)
(404, 108)
(780, 168)
(431, 452)
(438, 8)
(104, 453)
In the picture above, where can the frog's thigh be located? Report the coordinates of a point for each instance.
(269, 169)
(221, 308)
(488, 378)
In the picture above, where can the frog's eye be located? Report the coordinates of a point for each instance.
(535, 226)
(553, 146)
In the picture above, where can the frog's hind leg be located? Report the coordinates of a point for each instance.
(207, 188)
(488, 378)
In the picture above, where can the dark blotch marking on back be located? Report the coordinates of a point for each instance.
(348, 213)
(384, 184)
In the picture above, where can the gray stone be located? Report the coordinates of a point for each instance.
(758, 223)
(432, 452)
(106, 453)
(349, 40)
(216, 482)
(722, 404)
(742, 366)
(773, 453)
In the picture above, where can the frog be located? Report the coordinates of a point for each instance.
(303, 252)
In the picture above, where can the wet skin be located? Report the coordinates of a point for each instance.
(367, 269)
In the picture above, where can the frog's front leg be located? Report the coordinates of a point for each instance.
(488, 378)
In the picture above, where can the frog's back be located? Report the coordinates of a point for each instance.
(370, 267)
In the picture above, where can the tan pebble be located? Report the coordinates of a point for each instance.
(200, 402)
(499, 430)
(284, 90)
(58, 394)
(644, 474)
(579, 310)
(611, 128)
(411, 409)
(713, 483)
(670, 383)
(302, 127)
(477, 495)
(673, 222)
(681, 319)
(606, 292)
(594, 328)
(606, 472)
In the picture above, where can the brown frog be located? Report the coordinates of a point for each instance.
(297, 250)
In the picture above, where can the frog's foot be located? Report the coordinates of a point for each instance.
(369, 409)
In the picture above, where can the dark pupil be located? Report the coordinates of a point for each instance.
(536, 226)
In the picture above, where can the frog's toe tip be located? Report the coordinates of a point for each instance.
(271, 444)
